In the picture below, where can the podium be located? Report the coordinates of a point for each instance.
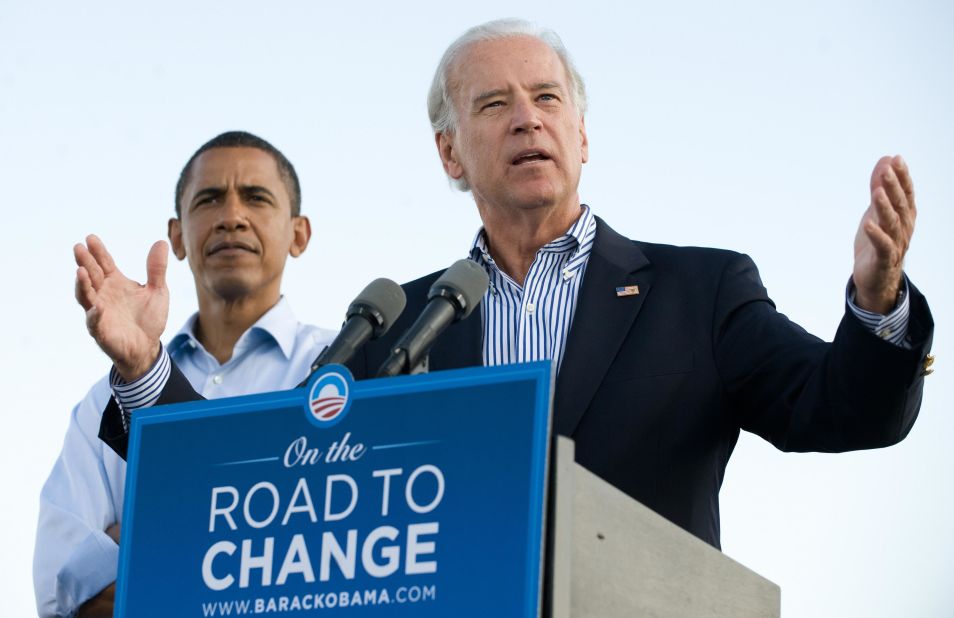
(429, 495)
(611, 557)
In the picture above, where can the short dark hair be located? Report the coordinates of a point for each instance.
(243, 139)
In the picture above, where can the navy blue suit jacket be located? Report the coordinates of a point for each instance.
(655, 387)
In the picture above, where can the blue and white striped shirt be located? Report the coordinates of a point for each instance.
(532, 322)
(892, 327)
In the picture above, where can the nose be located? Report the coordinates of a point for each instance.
(232, 213)
(526, 117)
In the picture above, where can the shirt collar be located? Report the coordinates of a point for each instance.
(571, 241)
(278, 323)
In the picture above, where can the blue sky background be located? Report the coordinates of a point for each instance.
(750, 125)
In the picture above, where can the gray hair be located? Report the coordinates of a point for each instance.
(440, 106)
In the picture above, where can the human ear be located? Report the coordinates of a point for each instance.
(445, 148)
(175, 238)
(584, 144)
(301, 234)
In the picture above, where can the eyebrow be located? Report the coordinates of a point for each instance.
(490, 94)
(207, 192)
(247, 189)
(243, 189)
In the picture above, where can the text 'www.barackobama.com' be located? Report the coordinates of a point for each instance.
(320, 601)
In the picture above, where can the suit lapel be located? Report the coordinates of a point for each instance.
(601, 322)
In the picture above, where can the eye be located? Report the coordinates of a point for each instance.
(258, 198)
(548, 98)
(493, 104)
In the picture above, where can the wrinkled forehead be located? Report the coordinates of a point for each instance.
(501, 64)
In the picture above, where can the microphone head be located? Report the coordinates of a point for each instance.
(381, 302)
(464, 284)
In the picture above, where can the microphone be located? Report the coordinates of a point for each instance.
(451, 299)
(369, 316)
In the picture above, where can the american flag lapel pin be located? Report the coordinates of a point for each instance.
(627, 290)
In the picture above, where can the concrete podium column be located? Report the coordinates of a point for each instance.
(613, 557)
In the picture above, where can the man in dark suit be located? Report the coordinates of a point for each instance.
(671, 350)
(663, 353)
(655, 387)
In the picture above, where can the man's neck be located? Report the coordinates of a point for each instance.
(221, 323)
(515, 236)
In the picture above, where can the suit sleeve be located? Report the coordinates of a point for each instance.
(111, 428)
(802, 394)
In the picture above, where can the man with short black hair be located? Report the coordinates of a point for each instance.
(242, 139)
(237, 220)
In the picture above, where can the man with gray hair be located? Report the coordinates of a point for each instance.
(663, 353)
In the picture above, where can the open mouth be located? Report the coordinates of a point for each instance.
(530, 156)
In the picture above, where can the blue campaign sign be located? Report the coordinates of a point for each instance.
(411, 496)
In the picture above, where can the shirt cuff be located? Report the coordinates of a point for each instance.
(141, 393)
(893, 327)
(91, 568)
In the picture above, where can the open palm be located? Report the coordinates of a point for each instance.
(884, 236)
(125, 318)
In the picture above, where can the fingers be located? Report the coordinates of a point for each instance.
(903, 175)
(887, 176)
(887, 217)
(85, 294)
(85, 260)
(892, 186)
(893, 174)
(877, 173)
(99, 252)
(892, 199)
(883, 243)
(901, 195)
(156, 263)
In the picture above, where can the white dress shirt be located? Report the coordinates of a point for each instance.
(74, 559)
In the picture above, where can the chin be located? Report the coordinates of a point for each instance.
(535, 197)
(540, 189)
(231, 290)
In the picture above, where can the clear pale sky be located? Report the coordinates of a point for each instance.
(751, 126)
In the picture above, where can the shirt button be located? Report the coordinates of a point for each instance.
(217, 379)
(530, 307)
